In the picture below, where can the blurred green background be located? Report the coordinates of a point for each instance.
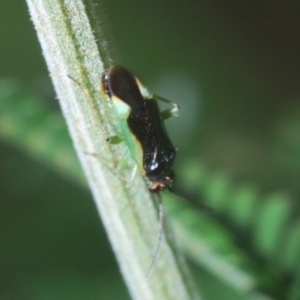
(234, 69)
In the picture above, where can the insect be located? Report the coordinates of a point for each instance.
(143, 129)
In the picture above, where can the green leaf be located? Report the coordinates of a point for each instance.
(271, 223)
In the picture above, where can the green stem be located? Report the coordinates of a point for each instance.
(129, 214)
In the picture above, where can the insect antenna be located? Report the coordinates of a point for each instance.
(85, 94)
(196, 204)
(160, 232)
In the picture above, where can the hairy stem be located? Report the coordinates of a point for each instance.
(128, 213)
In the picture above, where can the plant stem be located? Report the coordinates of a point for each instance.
(128, 213)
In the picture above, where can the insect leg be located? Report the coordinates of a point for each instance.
(123, 161)
(134, 171)
(172, 112)
(160, 232)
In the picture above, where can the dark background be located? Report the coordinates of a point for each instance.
(234, 70)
